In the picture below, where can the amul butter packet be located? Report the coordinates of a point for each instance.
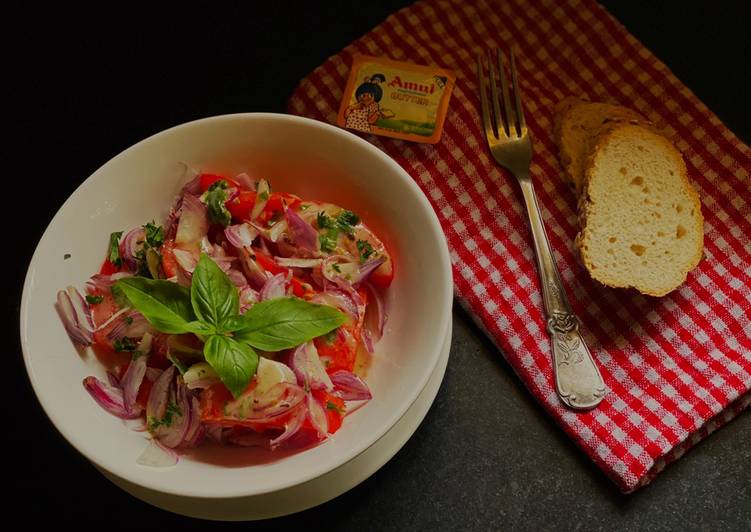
(396, 99)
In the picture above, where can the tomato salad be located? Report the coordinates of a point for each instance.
(247, 318)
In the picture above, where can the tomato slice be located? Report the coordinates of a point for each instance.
(241, 206)
(338, 349)
(169, 263)
(108, 268)
(334, 408)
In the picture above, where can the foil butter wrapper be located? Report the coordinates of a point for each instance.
(396, 99)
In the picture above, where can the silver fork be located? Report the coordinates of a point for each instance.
(577, 379)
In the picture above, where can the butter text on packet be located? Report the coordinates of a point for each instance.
(396, 99)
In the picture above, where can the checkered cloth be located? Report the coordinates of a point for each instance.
(677, 367)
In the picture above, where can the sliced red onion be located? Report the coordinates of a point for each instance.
(367, 340)
(192, 179)
(108, 397)
(375, 313)
(75, 314)
(245, 181)
(132, 382)
(303, 234)
(103, 283)
(241, 235)
(291, 427)
(250, 438)
(129, 246)
(277, 230)
(276, 401)
(131, 324)
(200, 375)
(275, 287)
(216, 433)
(295, 262)
(273, 233)
(113, 380)
(308, 368)
(170, 225)
(173, 435)
(159, 395)
(317, 416)
(193, 432)
(248, 297)
(348, 301)
(350, 387)
(367, 269)
(341, 269)
(157, 455)
(238, 278)
(253, 272)
(263, 191)
(193, 224)
(152, 374)
(187, 260)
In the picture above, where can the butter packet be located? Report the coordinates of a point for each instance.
(396, 99)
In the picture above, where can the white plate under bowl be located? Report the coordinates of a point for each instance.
(314, 492)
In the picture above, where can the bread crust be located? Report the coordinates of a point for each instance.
(586, 205)
(576, 124)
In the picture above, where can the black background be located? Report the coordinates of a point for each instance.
(85, 84)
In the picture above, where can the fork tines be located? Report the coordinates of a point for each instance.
(510, 123)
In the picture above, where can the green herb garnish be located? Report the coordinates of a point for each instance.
(346, 220)
(94, 300)
(154, 235)
(114, 252)
(215, 198)
(365, 249)
(125, 344)
(172, 411)
(210, 309)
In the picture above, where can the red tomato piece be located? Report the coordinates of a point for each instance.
(338, 349)
(241, 206)
(169, 263)
(108, 268)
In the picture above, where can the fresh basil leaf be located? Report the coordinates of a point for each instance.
(233, 323)
(114, 249)
(234, 362)
(287, 322)
(164, 304)
(215, 199)
(212, 294)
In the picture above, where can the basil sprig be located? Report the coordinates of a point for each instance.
(210, 309)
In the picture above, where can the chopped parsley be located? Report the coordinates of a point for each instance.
(154, 235)
(336, 268)
(94, 300)
(264, 196)
(328, 240)
(365, 249)
(324, 222)
(346, 220)
(114, 252)
(125, 344)
(215, 198)
(172, 411)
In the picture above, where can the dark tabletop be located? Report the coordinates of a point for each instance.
(486, 456)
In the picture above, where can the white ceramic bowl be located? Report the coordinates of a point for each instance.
(305, 157)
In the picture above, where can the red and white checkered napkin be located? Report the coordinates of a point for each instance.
(677, 367)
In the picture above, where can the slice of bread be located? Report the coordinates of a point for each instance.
(576, 124)
(640, 218)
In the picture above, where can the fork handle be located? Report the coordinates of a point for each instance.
(577, 379)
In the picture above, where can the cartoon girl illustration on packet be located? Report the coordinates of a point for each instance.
(366, 111)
